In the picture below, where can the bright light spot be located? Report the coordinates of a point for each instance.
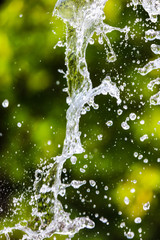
(49, 142)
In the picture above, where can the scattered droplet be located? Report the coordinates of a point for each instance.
(145, 160)
(158, 160)
(140, 230)
(142, 122)
(119, 111)
(135, 154)
(140, 157)
(5, 103)
(92, 183)
(126, 200)
(19, 124)
(109, 123)
(132, 116)
(150, 35)
(91, 41)
(146, 206)
(125, 125)
(49, 142)
(122, 225)
(103, 220)
(106, 188)
(132, 190)
(100, 136)
(129, 234)
(77, 184)
(82, 170)
(138, 220)
(73, 159)
(144, 137)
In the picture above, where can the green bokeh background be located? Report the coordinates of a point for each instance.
(31, 81)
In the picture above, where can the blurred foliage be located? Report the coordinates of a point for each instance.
(32, 127)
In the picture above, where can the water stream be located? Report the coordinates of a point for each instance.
(83, 19)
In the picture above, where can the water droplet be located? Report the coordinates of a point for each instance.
(129, 234)
(132, 190)
(49, 142)
(132, 116)
(134, 181)
(109, 123)
(100, 136)
(122, 225)
(150, 35)
(92, 183)
(138, 220)
(5, 103)
(91, 41)
(100, 40)
(77, 184)
(103, 220)
(142, 122)
(106, 188)
(19, 124)
(146, 206)
(140, 157)
(73, 159)
(119, 111)
(125, 125)
(155, 99)
(144, 137)
(140, 230)
(155, 48)
(135, 154)
(145, 160)
(126, 200)
(82, 170)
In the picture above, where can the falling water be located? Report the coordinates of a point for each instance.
(83, 19)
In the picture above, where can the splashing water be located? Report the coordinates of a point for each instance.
(153, 9)
(83, 19)
(151, 6)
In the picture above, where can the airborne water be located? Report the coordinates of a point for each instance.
(84, 19)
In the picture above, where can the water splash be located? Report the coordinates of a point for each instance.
(153, 9)
(83, 19)
(151, 35)
(151, 6)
